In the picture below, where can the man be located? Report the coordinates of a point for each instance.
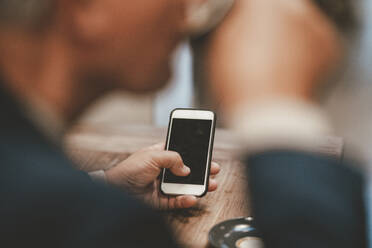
(284, 49)
(58, 57)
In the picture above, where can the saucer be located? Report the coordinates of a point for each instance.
(235, 233)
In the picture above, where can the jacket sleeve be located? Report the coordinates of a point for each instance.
(61, 207)
(304, 200)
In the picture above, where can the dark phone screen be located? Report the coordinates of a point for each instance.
(190, 138)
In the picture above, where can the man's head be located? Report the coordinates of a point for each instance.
(125, 44)
(89, 46)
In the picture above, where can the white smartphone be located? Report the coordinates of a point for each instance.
(191, 134)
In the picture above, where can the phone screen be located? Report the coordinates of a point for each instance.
(190, 138)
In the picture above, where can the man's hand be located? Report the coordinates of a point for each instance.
(270, 49)
(139, 175)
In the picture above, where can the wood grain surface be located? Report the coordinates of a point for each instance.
(101, 147)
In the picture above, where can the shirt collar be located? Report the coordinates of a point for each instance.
(45, 119)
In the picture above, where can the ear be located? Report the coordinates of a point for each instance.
(88, 20)
(195, 14)
(202, 15)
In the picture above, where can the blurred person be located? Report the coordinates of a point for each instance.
(341, 12)
(56, 57)
(264, 65)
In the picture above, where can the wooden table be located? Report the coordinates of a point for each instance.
(101, 147)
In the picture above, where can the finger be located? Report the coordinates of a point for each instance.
(212, 186)
(215, 168)
(171, 202)
(170, 160)
(185, 201)
(163, 202)
(159, 200)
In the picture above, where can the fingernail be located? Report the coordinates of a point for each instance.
(186, 169)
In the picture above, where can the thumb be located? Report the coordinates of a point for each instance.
(170, 160)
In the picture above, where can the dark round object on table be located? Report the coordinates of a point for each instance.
(239, 232)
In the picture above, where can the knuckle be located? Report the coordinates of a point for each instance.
(179, 202)
(177, 159)
(172, 204)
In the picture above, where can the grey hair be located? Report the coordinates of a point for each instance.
(342, 12)
(25, 12)
(35, 12)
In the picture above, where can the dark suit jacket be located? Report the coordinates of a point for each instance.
(304, 200)
(44, 202)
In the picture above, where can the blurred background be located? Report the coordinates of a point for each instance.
(347, 101)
